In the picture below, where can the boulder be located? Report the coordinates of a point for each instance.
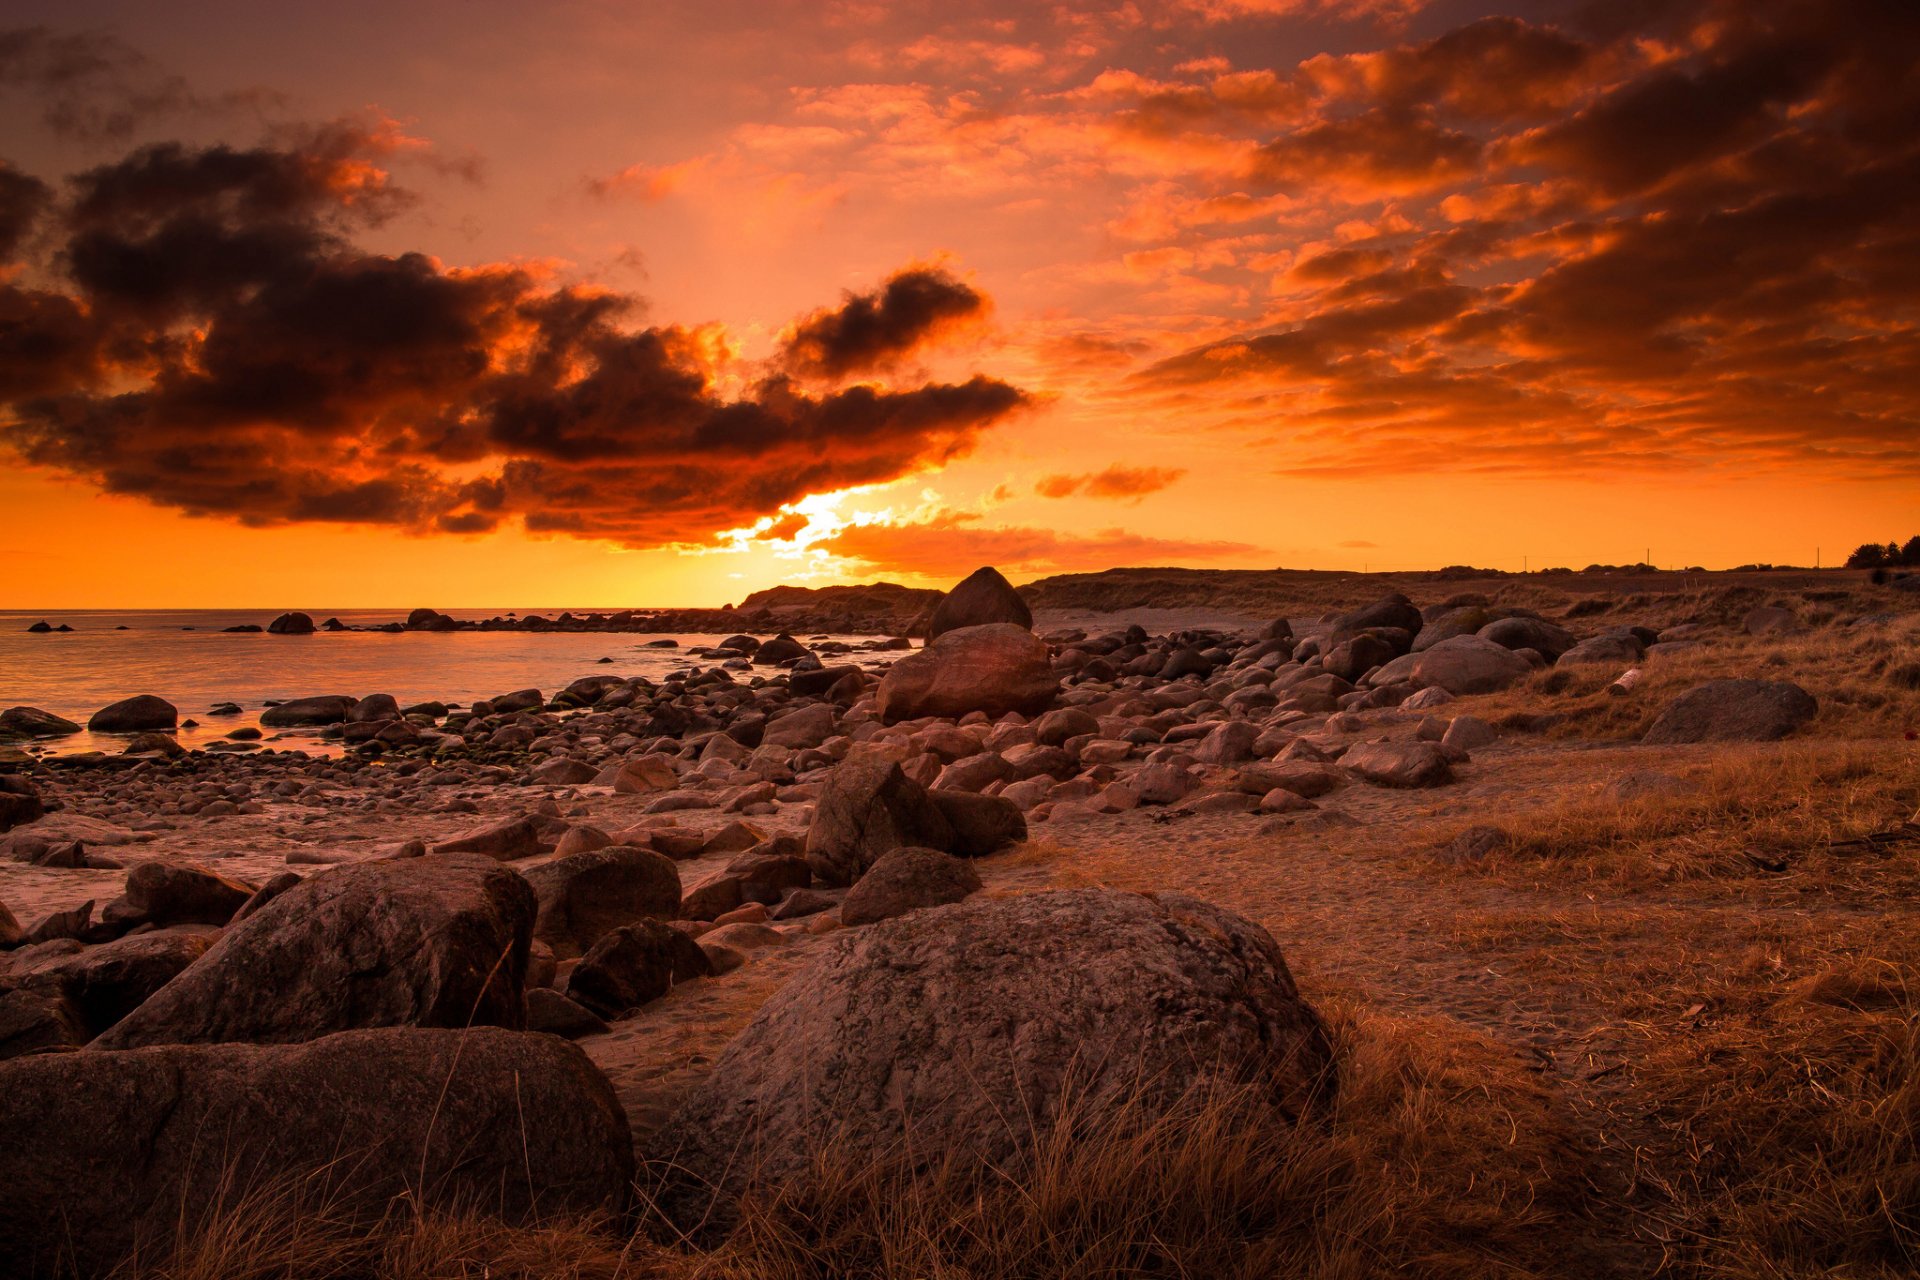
(993, 669)
(981, 825)
(782, 648)
(424, 619)
(1398, 764)
(801, 728)
(19, 807)
(635, 965)
(983, 598)
(553, 1013)
(1734, 711)
(1394, 611)
(135, 715)
(431, 942)
(585, 896)
(32, 722)
(373, 709)
(564, 771)
(101, 1152)
(1462, 665)
(503, 841)
(868, 807)
(291, 624)
(906, 880)
(1612, 649)
(169, 893)
(645, 774)
(106, 983)
(37, 1020)
(308, 712)
(1537, 634)
(964, 1029)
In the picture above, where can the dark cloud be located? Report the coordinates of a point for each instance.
(225, 348)
(89, 85)
(23, 198)
(872, 331)
(1704, 258)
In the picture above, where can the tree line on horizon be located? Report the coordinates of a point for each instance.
(1872, 555)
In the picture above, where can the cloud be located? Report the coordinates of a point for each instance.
(951, 544)
(224, 347)
(91, 86)
(1116, 481)
(875, 330)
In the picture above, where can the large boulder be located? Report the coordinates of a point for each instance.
(20, 803)
(307, 712)
(1734, 711)
(585, 896)
(984, 597)
(1537, 634)
(135, 715)
(635, 965)
(1398, 764)
(868, 807)
(1393, 612)
(981, 824)
(1461, 665)
(291, 624)
(965, 1029)
(906, 880)
(168, 893)
(32, 722)
(439, 941)
(103, 1152)
(106, 983)
(993, 669)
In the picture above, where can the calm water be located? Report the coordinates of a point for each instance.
(77, 673)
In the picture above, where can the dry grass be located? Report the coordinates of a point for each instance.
(1787, 813)
(1443, 1158)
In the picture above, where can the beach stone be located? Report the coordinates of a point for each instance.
(905, 880)
(101, 1151)
(435, 942)
(154, 744)
(169, 893)
(984, 597)
(1734, 711)
(1610, 649)
(941, 1024)
(32, 722)
(1462, 665)
(1229, 743)
(802, 728)
(765, 877)
(553, 1013)
(308, 712)
(518, 700)
(1056, 728)
(585, 896)
(1394, 611)
(1468, 733)
(19, 807)
(644, 775)
(1398, 764)
(504, 841)
(135, 715)
(1302, 779)
(581, 838)
(266, 893)
(634, 965)
(982, 825)
(1543, 637)
(11, 934)
(38, 1020)
(105, 983)
(291, 624)
(782, 648)
(373, 709)
(868, 807)
(563, 771)
(992, 669)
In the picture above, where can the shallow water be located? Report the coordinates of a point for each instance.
(77, 673)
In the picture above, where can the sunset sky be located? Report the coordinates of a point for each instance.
(479, 303)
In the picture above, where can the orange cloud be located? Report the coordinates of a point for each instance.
(1116, 481)
(953, 544)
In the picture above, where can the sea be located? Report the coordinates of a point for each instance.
(190, 659)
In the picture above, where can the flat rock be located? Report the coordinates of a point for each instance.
(1734, 711)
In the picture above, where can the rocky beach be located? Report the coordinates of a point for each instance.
(780, 901)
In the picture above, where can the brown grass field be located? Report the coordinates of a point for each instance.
(1673, 1035)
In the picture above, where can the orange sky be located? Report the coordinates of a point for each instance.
(593, 304)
